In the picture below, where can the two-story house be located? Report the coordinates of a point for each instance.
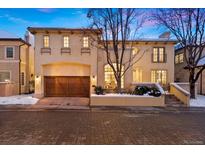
(68, 62)
(182, 75)
(16, 68)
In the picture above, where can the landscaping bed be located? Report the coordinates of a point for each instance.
(141, 96)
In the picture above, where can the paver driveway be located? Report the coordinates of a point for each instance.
(100, 127)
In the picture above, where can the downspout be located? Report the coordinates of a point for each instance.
(20, 68)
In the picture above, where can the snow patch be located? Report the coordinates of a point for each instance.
(18, 99)
(120, 95)
(198, 102)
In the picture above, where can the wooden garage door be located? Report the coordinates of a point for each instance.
(67, 86)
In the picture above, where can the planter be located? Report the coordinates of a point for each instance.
(126, 100)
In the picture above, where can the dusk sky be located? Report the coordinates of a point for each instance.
(15, 21)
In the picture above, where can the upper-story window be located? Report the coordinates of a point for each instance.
(46, 41)
(9, 52)
(85, 42)
(158, 55)
(135, 51)
(66, 42)
(179, 58)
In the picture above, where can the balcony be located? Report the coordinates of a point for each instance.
(85, 51)
(45, 50)
(65, 51)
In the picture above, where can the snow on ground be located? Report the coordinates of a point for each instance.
(18, 99)
(120, 95)
(199, 102)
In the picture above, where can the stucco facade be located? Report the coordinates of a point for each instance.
(16, 65)
(51, 61)
(144, 63)
(182, 75)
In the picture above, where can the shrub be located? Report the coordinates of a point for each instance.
(154, 92)
(99, 90)
(141, 90)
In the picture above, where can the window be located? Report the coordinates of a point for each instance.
(85, 42)
(179, 58)
(137, 75)
(9, 52)
(66, 42)
(110, 81)
(46, 42)
(158, 55)
(159, 76)
(5, 76)
(135, 51)
(22, 78)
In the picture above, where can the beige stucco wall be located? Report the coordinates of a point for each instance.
(182, 75)
(145, 63)
(126, 101)
(74, 63)
(184, 97)
(12, 65)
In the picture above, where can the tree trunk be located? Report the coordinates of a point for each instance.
(119, 90)
(192, 90)
(192, 84)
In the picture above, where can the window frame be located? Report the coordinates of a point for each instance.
(161, 75)
(135, 53)
(9, 75)
(5, 52)
(122, 79)
(68, 41)
(158, 55)
(48, 41)
(87, 43)
(177, 58)
(141, 75)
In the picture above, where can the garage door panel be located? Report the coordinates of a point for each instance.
(67, 86)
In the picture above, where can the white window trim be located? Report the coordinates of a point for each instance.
(160, 70)
(5, 53)
(9, 73)
(88, 42)
(48, 41)
(68, 41)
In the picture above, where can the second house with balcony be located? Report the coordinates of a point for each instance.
(68, 62)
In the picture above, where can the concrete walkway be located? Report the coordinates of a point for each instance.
(62, 103)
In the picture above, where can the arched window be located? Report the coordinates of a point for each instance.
(135, 51)
(110, 81)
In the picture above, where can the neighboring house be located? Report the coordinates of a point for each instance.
(182, 75)
(68, 62)
(15, 66)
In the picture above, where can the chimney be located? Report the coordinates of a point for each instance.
(165, 35)
(27, 37)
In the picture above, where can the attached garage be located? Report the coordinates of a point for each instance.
(67, 86)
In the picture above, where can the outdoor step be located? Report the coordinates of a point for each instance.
(172, 101)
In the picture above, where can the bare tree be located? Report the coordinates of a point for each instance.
(119, 28)
(187, 25)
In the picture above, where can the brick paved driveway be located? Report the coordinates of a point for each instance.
(100, 127)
